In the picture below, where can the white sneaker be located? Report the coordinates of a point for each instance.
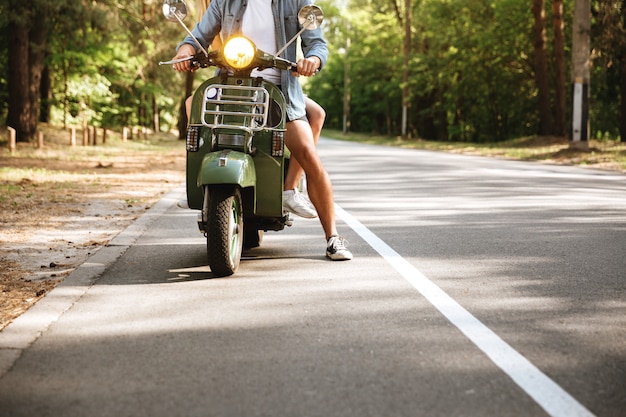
(337, 250)
(184, 204)
(296, 203)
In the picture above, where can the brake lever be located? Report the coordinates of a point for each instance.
(176, 61)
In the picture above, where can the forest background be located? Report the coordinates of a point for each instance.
(479, 71)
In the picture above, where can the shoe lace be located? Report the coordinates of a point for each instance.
(338, 243)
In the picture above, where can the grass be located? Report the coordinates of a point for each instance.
(601, 154)
(604, 154)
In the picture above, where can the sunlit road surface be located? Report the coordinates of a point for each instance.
(479, 288)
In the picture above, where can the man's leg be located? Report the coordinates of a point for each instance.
(316, 115)
(299, 140)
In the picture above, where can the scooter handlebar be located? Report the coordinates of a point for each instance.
(284, 64)
(199, 60)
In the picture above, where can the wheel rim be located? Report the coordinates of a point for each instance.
(234, 231)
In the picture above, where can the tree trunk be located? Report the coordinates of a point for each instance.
(27, 51)
(141, 112)
(19, 104)
(36, 59)
(622, 84)
(346, 88)
(541, 68)
(46, 95)
(559, 63)
(406, 72)
(581, 40)
(156, 121)
(622, 89)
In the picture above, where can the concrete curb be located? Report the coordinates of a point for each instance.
(28, 327)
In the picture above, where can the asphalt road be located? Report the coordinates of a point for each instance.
(479, 287)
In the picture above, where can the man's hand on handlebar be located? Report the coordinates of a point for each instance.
(186, 50)
(308, 66)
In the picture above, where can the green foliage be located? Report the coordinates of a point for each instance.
(471, 74)
(471, 69)
(609, 45)
(477, 68)
(103, 60)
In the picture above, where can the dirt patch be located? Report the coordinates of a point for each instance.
(58, 205)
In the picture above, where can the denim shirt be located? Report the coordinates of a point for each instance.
(226, 16)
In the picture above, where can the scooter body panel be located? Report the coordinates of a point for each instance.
(227, 167)
(253, 159)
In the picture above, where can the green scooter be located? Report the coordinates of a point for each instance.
(236, 157)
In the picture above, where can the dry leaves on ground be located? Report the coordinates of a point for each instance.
(58, 205)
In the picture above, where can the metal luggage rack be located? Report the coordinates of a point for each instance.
(225, 108)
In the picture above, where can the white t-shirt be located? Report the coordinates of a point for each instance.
(258, 25)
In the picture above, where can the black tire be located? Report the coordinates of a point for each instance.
(224, 230)
(252, 238)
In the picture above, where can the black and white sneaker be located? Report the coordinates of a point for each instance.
(337, 250)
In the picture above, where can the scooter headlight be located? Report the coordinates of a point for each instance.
(239, 52)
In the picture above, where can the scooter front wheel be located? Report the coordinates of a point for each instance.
(224, 229)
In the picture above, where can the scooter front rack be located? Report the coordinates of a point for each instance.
(235, 107)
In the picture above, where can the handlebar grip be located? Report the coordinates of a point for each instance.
(201, 60)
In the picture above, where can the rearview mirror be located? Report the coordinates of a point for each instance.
(175, 10)
(310, 17)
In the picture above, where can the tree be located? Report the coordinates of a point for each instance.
(31, 25)
(404, 19)
(406, 71)
(471, 75)
(581, 72)
(28, 30)
(19, 105)
(609, 45)
(620, 12)
(542, 76)
(469, 68)
(559, 67)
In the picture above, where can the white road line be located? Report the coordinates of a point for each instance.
(550, 396)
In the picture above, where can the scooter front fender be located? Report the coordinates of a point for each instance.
(227, 167)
